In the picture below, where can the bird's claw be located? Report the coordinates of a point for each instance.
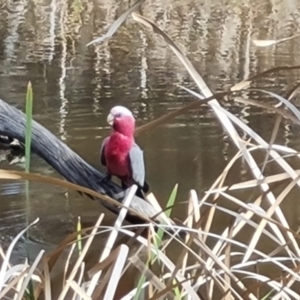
(105, 179)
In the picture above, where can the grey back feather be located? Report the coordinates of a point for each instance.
(102, 153)
(137, 165)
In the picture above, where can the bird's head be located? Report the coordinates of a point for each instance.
(122, 120)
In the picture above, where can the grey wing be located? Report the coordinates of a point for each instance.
(102, 153)
(136, 157)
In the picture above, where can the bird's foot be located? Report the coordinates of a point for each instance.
(106, 178)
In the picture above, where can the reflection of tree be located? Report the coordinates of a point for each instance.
(63, 110)
(102, 65)
(205, 31)
(13, 22)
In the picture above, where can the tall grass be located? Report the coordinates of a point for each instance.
(79, 238)
(204, 264)
(29, 107)
(157, 242)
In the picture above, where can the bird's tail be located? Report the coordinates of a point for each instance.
(146, 187)
(140, 192)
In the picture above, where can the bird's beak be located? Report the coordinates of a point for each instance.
(110, 119)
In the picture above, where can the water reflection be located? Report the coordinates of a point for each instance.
(75, 86)
(62, 85)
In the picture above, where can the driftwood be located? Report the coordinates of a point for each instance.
(68, 163)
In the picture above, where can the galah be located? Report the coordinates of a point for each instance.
(120, 154)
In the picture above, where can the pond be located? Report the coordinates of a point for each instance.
(75, 87)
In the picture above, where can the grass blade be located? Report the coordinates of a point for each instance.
(115, 26)
(79, 238)
(167, 212)
(47, 281)
(112, 238)
(194, 74)
(116, 273)
(268, 43)
(9, 252)
(17, 175)
(28, 134)
(28, 277)
(29, 104)
(80, 259)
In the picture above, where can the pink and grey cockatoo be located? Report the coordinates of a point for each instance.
(120, 154)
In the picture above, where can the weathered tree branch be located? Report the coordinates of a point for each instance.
(68, 163)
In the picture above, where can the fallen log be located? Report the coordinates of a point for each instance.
(68, 163)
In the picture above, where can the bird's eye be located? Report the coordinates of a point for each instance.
(118, 115)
